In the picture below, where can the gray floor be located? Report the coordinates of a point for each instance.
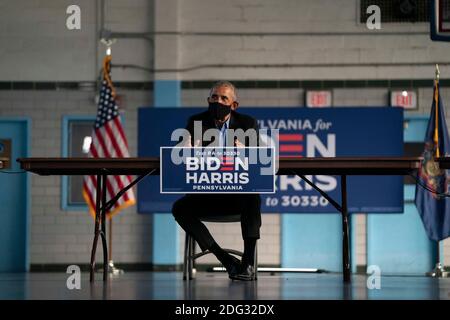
(217, 286)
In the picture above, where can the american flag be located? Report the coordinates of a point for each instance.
(108, 141)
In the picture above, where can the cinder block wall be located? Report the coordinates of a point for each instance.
(37, 46)
(286, 39)
(320, 39)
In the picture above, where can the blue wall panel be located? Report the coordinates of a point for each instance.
(14, 199)
(166, 233)
(397, 243)
(311, 241)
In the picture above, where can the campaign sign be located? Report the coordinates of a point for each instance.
(303, 132)
(217, 170)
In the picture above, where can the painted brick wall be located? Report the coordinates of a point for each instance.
(41, 48)
(287, 39)
(315, 40)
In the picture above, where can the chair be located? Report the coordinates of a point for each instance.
(189, 247)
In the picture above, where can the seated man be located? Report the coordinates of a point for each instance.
(222, 115)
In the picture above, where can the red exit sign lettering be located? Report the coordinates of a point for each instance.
(404, 99)
(318, 99)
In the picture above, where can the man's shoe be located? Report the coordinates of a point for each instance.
(234, 268)
(246, 273)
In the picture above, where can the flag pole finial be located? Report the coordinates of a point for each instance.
(108, 43)
(437, 72)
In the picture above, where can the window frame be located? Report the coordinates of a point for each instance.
(65, 187)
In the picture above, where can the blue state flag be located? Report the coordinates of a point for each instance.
(434, 209)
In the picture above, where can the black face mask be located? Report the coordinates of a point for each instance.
(218, 110)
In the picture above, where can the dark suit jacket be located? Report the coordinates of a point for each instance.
(237, 121)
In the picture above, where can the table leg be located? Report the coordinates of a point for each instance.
(97, 227)
(345, 221)
(345, 231)
(103, 233)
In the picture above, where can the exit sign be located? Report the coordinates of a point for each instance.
(318, 99)
(404, 99)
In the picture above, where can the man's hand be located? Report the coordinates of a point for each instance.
(238, 144)
(189, 144)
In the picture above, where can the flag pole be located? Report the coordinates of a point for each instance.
(436, 113)
(438, 271)
(111, 267)
(106, 67)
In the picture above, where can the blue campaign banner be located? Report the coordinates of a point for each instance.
(217, 170)
(305, 132)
